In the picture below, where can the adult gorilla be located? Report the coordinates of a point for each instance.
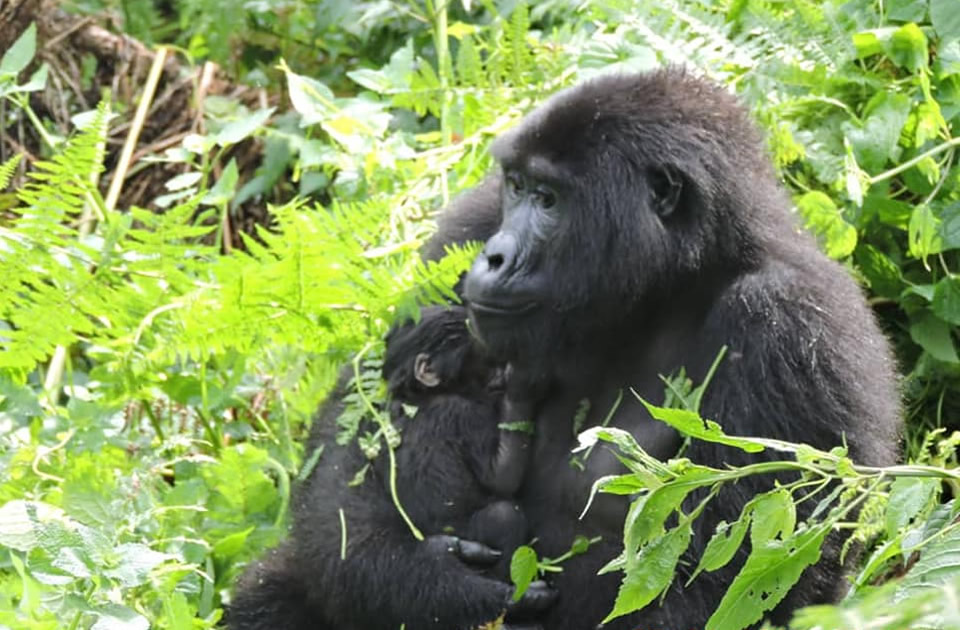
(636, 227)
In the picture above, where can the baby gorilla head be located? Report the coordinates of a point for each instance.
(437, 355)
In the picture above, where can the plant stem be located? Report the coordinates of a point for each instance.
(940, 148)
(383, 422)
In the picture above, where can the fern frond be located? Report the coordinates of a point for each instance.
(7, 169)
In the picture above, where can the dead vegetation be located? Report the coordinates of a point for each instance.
(89, 59)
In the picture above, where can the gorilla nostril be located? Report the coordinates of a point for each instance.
(495, 261)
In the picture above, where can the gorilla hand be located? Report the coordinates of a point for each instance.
(521, 614)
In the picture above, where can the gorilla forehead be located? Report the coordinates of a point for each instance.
(643, 116)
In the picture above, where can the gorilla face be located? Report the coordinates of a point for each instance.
(589, 224)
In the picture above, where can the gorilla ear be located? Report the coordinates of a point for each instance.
(423, 371)
(666, 184)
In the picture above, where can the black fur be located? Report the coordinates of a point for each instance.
(639, 228)
(456, 471)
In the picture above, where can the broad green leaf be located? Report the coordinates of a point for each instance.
(235, 131)
(651, 571)
(690, 423)
(37, 81)
(177, 612)
(933, 335)
(20, 521)
(223, 190)
(890, 211)
(312, 99)
(769, 573)
(648, 514)
(945, 16)
(774, 516)
(929, 121)
(875, 143)
(950, 226)
(117, 617)
(18, 56)
(939, 563)
(824, 219)
(882, 273)
(946, 300)
(908, 47)
(182, 181)
(624, 484)
(232, 544)
(374, 80)
(523, 568)
(924, 232)
(723, 544)
(906, 10)
(132, 563)
(73, 562)
(871, 42)
(908, 496)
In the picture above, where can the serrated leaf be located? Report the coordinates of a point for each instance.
(723, 545)
(651, 571)
(933, 335)
(647, 515)
(18, 56)
(769, 573)
(523, 568)
(945, 17)
(908, 496)
(20, 520)
(690, 423)
(72, 561)
(624, 484)
(938, 564)
(774, 516)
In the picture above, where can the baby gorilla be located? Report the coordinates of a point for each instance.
(465, 448)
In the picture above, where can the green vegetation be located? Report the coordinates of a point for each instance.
(156, 381)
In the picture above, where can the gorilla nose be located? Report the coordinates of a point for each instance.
(500, 251)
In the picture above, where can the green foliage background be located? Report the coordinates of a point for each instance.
(154, 390)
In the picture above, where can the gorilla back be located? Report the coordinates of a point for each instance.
(636, 226)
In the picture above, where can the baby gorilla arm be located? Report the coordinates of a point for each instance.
(504, 473)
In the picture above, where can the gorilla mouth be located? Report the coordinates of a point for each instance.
(503, 309)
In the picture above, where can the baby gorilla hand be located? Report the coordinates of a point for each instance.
(521, 614)
(525, 388)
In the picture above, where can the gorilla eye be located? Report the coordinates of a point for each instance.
(545, 197)
(514, 183)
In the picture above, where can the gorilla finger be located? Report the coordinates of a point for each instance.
(537, 599)
(473, 552)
